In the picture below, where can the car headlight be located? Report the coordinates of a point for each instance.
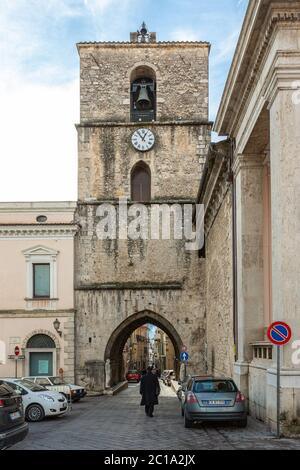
(46, 397)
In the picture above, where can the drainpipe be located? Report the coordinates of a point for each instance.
(234, 251)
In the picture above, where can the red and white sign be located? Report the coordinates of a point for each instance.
(279, 333)
(17, 351)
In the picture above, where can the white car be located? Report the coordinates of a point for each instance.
(58, 384)
(38, 402)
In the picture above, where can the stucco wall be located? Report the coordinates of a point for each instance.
(13, 271)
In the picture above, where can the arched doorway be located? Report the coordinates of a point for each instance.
(41, 353)
(117, 341)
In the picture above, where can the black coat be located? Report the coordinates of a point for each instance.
(149, 389)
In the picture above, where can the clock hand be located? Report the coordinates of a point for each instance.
(140, 135)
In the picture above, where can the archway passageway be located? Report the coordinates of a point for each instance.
(116, 344)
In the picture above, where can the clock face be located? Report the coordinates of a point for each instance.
(143, 140)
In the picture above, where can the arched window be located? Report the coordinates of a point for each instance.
(41, 350)
(40, 342)
(141, 183)
(143, 95)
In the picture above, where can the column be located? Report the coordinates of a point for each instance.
(285, 200)
(248, 171)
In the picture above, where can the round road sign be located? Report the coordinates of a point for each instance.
(17, 351)
(279, 333)
(184, 357)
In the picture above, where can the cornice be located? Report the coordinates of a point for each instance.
(37, 313)
(13, 231)
(148, 45)
(277, 15)
(130, 286)
(216, 184)
(94, 124)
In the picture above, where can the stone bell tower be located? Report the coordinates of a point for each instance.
(143, 135)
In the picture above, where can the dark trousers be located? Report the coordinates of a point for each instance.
(149, 409)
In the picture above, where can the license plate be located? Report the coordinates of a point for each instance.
(15, 415)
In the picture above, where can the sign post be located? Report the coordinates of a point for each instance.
(279, 334)
(184, 357)
(17, 353)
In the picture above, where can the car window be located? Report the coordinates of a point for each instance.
(132, 372)
(33, 387)
(214, 386)
(5, 389)
(57, 381)
(44, 382)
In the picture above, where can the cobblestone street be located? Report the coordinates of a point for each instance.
(119, 422)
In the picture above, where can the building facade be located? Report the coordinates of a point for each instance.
(37, 297)
(251, 194)
(143, 135)
(138, 349)
(164, 353)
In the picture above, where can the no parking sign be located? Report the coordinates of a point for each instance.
(279, 333)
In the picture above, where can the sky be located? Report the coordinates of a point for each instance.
(39, 76)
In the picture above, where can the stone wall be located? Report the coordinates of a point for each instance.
(219, 303)
(181, 71)
(115, 280)
(106, 158)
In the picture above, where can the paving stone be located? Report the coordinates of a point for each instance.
(120, 423)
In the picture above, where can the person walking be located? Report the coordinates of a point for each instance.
(150, 390)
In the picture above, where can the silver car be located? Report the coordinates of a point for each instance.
(212, 399)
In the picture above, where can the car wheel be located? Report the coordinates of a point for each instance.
(243, 423)
(35, 413)
(187, 422)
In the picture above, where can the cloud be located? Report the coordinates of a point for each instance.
(38, 141)
(182, 34)
(226, 48)
(37, 114)
(98, 6)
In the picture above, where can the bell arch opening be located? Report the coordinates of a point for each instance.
(143, 94)
(116, 343)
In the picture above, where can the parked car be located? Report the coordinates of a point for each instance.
(75, 392)
(167, 376)
(37, 400)
(13, 428)
(213, 399)
(133, 376)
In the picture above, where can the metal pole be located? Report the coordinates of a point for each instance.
(16, 360)
(278, 392)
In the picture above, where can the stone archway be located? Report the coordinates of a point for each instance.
(117, 340)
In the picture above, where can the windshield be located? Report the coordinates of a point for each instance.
(133, 372)
(214, 386)
(31, 386)
(57, 381)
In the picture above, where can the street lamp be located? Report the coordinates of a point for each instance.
(56, 325)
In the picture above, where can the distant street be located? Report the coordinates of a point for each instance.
(120, 423)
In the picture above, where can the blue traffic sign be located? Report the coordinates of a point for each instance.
(184, 357)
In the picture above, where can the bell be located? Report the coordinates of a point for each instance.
(143, 100)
